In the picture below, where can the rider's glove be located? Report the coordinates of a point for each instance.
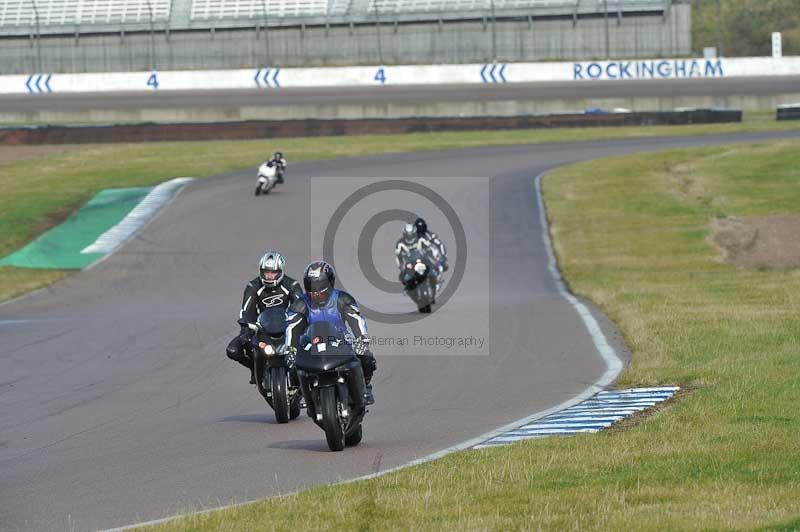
(361, 345)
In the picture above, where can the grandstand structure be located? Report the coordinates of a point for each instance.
(113, 35)
(97, 16)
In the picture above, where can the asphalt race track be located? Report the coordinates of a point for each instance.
(117, 403)
(397, 95)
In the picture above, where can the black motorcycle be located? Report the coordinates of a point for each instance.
(332, 381)
(275, 381)
(419, 279)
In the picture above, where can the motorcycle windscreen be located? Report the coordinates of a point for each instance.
(317, 363)
(273, 321)
(415, 255)
(323, 348)
(324, 337)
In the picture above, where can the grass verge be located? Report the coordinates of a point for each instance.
(41, 189)
(630, 234)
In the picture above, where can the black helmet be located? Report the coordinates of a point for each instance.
(278, 155)
(422, 227)
(318, 280)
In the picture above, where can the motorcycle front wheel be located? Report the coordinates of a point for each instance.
(258, 190)
(280, 396)
(330, 419)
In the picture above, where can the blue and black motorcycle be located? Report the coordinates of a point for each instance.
(332, 381)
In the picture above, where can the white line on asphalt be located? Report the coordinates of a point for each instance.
(137, 218)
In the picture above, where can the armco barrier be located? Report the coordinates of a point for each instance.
(789, 112)
(275, 78)
(313, 128)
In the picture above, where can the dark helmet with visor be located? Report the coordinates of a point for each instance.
(422, 227)
(318, 281)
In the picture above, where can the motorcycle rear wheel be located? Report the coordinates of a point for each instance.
(294, 409)
(330, 419)
(280, 397)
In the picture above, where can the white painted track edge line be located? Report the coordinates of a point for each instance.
(141, 213)
(172, 197)
(614, 367)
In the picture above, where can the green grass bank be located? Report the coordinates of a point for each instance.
(631, 234)
(40, 189)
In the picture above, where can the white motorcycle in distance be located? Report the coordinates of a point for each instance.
(267, 178)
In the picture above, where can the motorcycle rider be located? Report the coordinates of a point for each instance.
(427, 243)
(323, 302)
(280, 163)
(423, 233)
(407, 242)
(272, 288)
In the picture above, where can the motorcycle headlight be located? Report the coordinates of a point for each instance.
(420, 268)
(268, 349)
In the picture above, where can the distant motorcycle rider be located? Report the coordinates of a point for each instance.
(272, 288)
(416, 236)
(429, 236)
(280, 164)
(323, 302)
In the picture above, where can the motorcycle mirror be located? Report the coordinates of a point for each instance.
(253, 327)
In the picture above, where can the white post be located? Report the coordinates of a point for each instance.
(777, 45)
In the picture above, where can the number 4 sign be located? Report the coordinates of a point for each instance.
(152, 81)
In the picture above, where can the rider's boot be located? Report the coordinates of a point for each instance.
(368, 395)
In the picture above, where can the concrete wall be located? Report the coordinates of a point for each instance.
(315, 127)
(383, 111)
(413, 43)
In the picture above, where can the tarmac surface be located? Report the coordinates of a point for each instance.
(118, 404)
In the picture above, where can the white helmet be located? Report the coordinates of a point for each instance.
(271, 267)
(409, 233)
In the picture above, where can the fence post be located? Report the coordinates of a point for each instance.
(608, 38)
(719, 29)
(267, 59)
(378, 33)
(152, 38)
(38, 37)
(494, 32)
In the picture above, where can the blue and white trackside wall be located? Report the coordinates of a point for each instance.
(275, 78)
